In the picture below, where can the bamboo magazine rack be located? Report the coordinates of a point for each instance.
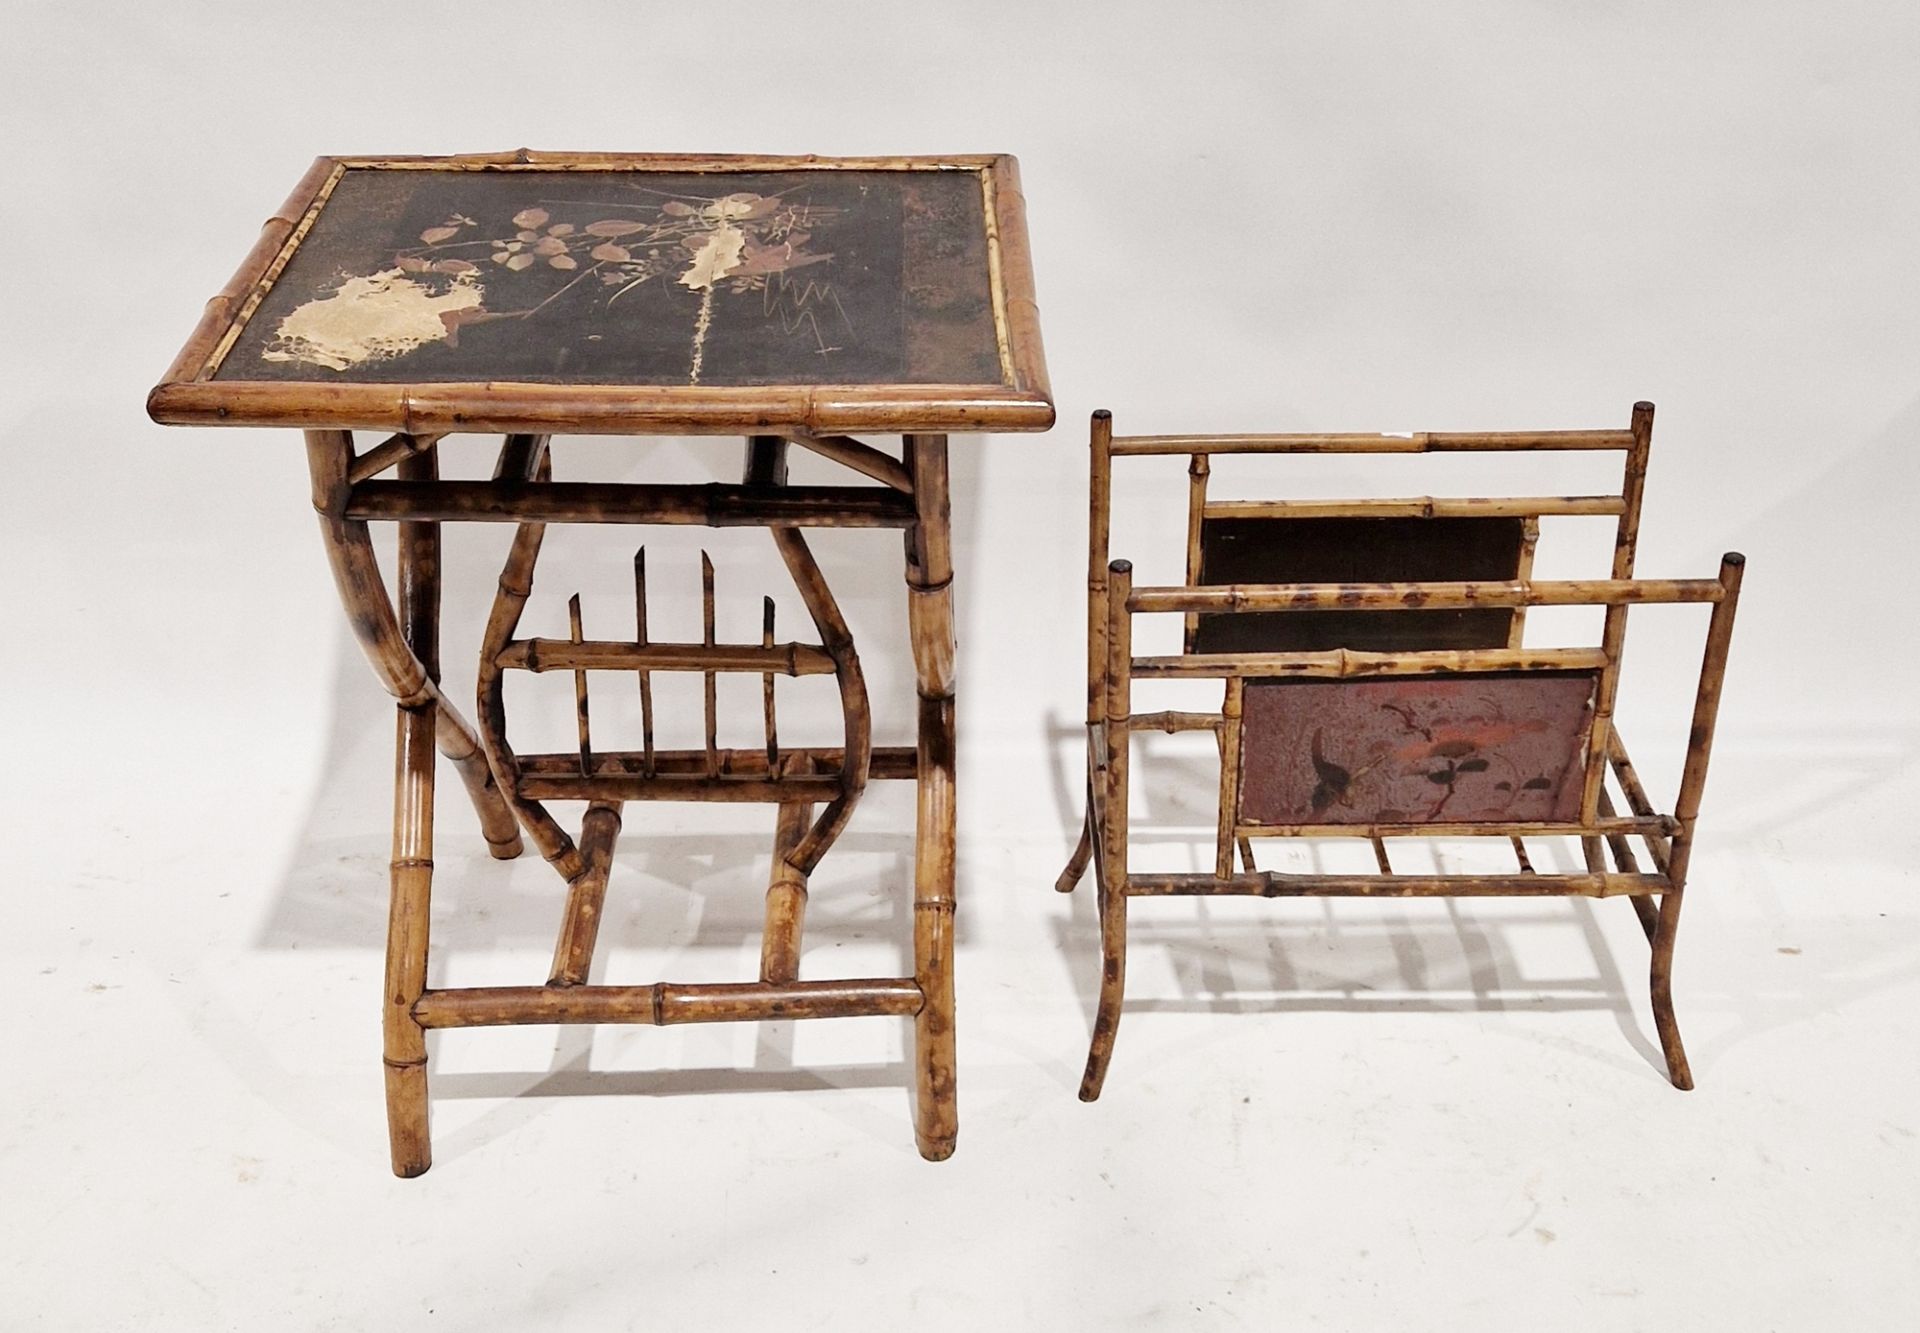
(1377, 684)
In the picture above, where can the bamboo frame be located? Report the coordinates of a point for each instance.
(1654, 892)
(1022, 400)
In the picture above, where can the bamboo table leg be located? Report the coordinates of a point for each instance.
(403, 645)
(403, 1040)
(930, 623)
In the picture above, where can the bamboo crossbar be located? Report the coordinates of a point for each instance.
(665, 1002)
(1237, 597)
(1422, 506)
(889, 762)
(601, 785)
(1345, 663)
(1413, 442)
(1275, 884)
(786, 659)
(1659, 825)
(1172, 720)
(714, 504)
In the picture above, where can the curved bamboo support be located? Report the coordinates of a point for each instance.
(516, 585)
(1113, 882)
(837, 639)
(1082, 854)
(376, 626)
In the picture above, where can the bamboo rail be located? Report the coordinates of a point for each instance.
(713, 504)
(665, 786)
(1227, 598)
(664, 1003)
(1171, 721)
(1274, 884)
(1414, 442)
(1422, 506)
(1346, 663)
(1658, 825)
(784, 659)
(887, 762)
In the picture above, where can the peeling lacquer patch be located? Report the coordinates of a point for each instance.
(715, 255)
(373, 318)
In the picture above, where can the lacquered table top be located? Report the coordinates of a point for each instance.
(548, 291)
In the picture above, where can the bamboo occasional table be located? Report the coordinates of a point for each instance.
(791, 300)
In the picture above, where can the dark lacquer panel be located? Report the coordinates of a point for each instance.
(635, 277)
(1357, 550)
(1495, 746)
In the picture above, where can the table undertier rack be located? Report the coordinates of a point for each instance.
(795, 779)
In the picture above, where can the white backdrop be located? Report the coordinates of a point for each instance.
(1262, 217)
